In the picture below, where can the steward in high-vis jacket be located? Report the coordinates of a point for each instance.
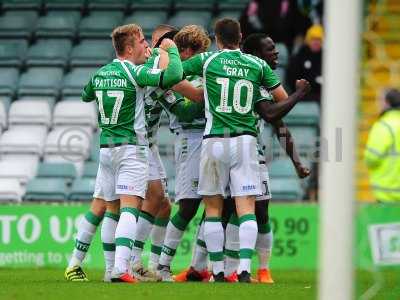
(382, 153)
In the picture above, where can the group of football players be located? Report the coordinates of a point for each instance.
(216, 103)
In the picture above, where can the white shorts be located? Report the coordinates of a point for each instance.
(230, 161)
(187, 160)
(122, 171)
(156, 168)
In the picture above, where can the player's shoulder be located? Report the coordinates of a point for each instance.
(205, 55)
(256, 60)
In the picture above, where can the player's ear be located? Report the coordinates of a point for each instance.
(240, 37)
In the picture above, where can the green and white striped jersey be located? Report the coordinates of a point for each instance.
(232, 87)
(118, 90)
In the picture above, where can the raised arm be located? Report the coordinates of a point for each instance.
(273, 112)
(186, 89)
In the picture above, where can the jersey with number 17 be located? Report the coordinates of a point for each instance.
(118, 90)
(232, 84)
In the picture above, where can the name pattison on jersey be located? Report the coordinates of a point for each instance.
(110, 83)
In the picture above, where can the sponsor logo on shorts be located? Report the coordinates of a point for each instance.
(125, 187)
(195, 183)
(249, 187)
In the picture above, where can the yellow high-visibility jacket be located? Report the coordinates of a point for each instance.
(382, 156)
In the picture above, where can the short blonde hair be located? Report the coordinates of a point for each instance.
(193, 37)
(123, 36)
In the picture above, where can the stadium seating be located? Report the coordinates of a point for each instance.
(169, 166)
(303, 114)
(182, 18)
(46, 189)
(75, 80)
(64, 5)
(99, 24)
(147, 19)
(22, 170)
(49, 53)
(75, 113)
(22, 4)
(165, 141)
(57, 170)
(40, 81)
(70, 143)
(8, 81)
(3, 117)
(286, 189)
(12, 53)
(18, 24)
(283, 55)
(11, 190)
(194, 4)
(90, 169)
(30, 112)
(82, 189)
(58, 24)
(151, 5)
(95, 149)
(23, 140)
(282, 168)
(91, 53)
(232, 4)
(108, 4)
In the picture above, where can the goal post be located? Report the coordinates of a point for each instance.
(341, 57)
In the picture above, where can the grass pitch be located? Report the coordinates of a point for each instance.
(294, 285)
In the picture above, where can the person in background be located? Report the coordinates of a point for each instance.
(382, 152)
(282, 20)
(307, 62)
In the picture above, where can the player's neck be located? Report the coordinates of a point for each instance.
(126, 57)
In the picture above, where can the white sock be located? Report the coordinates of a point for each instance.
(214, 238)
(175, 229)
(264, 249)
(248, 237)
(157, 236)
(143, 229)
(124, 237)
(86, 230)
(232, 246)
(199, 259)
(108, 239)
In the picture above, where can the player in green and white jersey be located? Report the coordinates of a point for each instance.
(155, 210)
(118, 90)
(190, 40)
(262, 46)
(229, 155)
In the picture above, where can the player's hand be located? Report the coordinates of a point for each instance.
(166, 44)
(303, 86)
(302, 171)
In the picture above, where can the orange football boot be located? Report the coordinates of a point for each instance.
(181, 277)
(264, 276)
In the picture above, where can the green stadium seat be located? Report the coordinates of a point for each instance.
(90, 169)
(46, 189)
(49, 53)
(283, 54)
(229, 13)
(164, 5)
(108, 4)
(304, 113)
(91, 53)
(194, 4)
(75, 80)
(305, 138)
(58, 24)
(232, 4)
(64, 4)
(148, 20)
(22, 4)
(282, 168)
(286, 189)
(12, 53)
(169, 166)
(57, 170)
(99, 24)
(18, 24)
(8, 81)
(182, 18)
(82, 189)
(39, 81)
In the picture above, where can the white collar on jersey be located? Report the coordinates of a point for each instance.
(230, 50)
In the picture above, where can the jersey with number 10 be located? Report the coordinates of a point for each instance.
(118, 90)
(232, 82)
